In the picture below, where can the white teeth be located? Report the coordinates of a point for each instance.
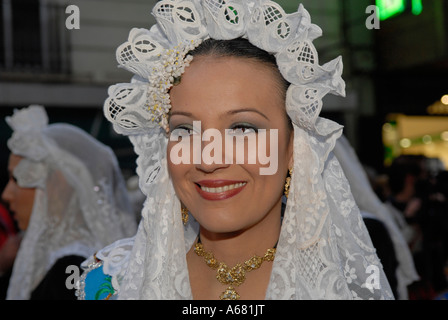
(224, 188)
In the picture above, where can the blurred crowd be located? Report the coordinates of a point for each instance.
(415, 188)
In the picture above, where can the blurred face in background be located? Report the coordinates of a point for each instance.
(20, 200)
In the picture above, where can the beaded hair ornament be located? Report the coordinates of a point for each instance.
(159, 56)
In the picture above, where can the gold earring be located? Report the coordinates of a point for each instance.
(184, 212)
(288, 183)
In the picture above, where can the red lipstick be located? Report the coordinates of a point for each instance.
(228, 189)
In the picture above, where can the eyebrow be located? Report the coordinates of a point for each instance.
(248, 110)
(181, 113)
(232, 112)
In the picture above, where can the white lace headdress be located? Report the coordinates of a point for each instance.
(324, 250)
(81, 202)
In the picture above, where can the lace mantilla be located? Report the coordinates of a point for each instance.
(369, 202)
(324, 250)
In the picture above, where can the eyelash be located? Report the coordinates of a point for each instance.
(181, 129)
(242, 127)
(238, 128)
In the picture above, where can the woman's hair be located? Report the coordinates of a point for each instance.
(242, 48)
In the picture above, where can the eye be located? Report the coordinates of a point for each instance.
(242, 129)
(12, 178)
(183, 130)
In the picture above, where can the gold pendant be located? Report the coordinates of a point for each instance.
(234, 276)
(229, 294)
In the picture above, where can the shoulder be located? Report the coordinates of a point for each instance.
(63, 262)
(53, 285)
(94, 283)
(104, 271)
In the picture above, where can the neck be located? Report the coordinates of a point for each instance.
(238, 246)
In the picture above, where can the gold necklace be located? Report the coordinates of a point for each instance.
(232, 276)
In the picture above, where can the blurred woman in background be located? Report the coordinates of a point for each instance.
(69, 199)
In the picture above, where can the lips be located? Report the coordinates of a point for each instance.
(219, 189)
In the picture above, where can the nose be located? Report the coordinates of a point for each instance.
(213, 155)
(7, 193)
(212, 167)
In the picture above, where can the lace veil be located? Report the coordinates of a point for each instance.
(81, 202)
(369, 202)
(324, 250)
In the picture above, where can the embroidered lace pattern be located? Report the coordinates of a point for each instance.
(369, 202)
(324, 248)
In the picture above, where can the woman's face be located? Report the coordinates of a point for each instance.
(20, 200)
(237, 97)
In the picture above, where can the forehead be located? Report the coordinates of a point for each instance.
(13, 161)
(226, 67)
(226, 82)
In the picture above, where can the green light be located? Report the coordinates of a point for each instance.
(389, 8)
(417, 7)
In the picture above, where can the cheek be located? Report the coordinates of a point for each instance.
(173, 169)
(178, 171)
(267, 188)
(27, 197)
(25, 207)
(274, 152)
(273, 185)
(273, 177)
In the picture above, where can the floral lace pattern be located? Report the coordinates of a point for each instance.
(369, 202)
(324, 248)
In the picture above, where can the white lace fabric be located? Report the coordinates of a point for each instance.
(369, 202)
(324, 250)
(81, 202)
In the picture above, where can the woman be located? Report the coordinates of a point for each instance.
(9, 245)
(69, 199)
(234, 69)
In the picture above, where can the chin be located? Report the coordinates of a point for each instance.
(220, 223)
(22, 227)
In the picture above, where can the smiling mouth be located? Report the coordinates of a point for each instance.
(224, 188)
(219, 189)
